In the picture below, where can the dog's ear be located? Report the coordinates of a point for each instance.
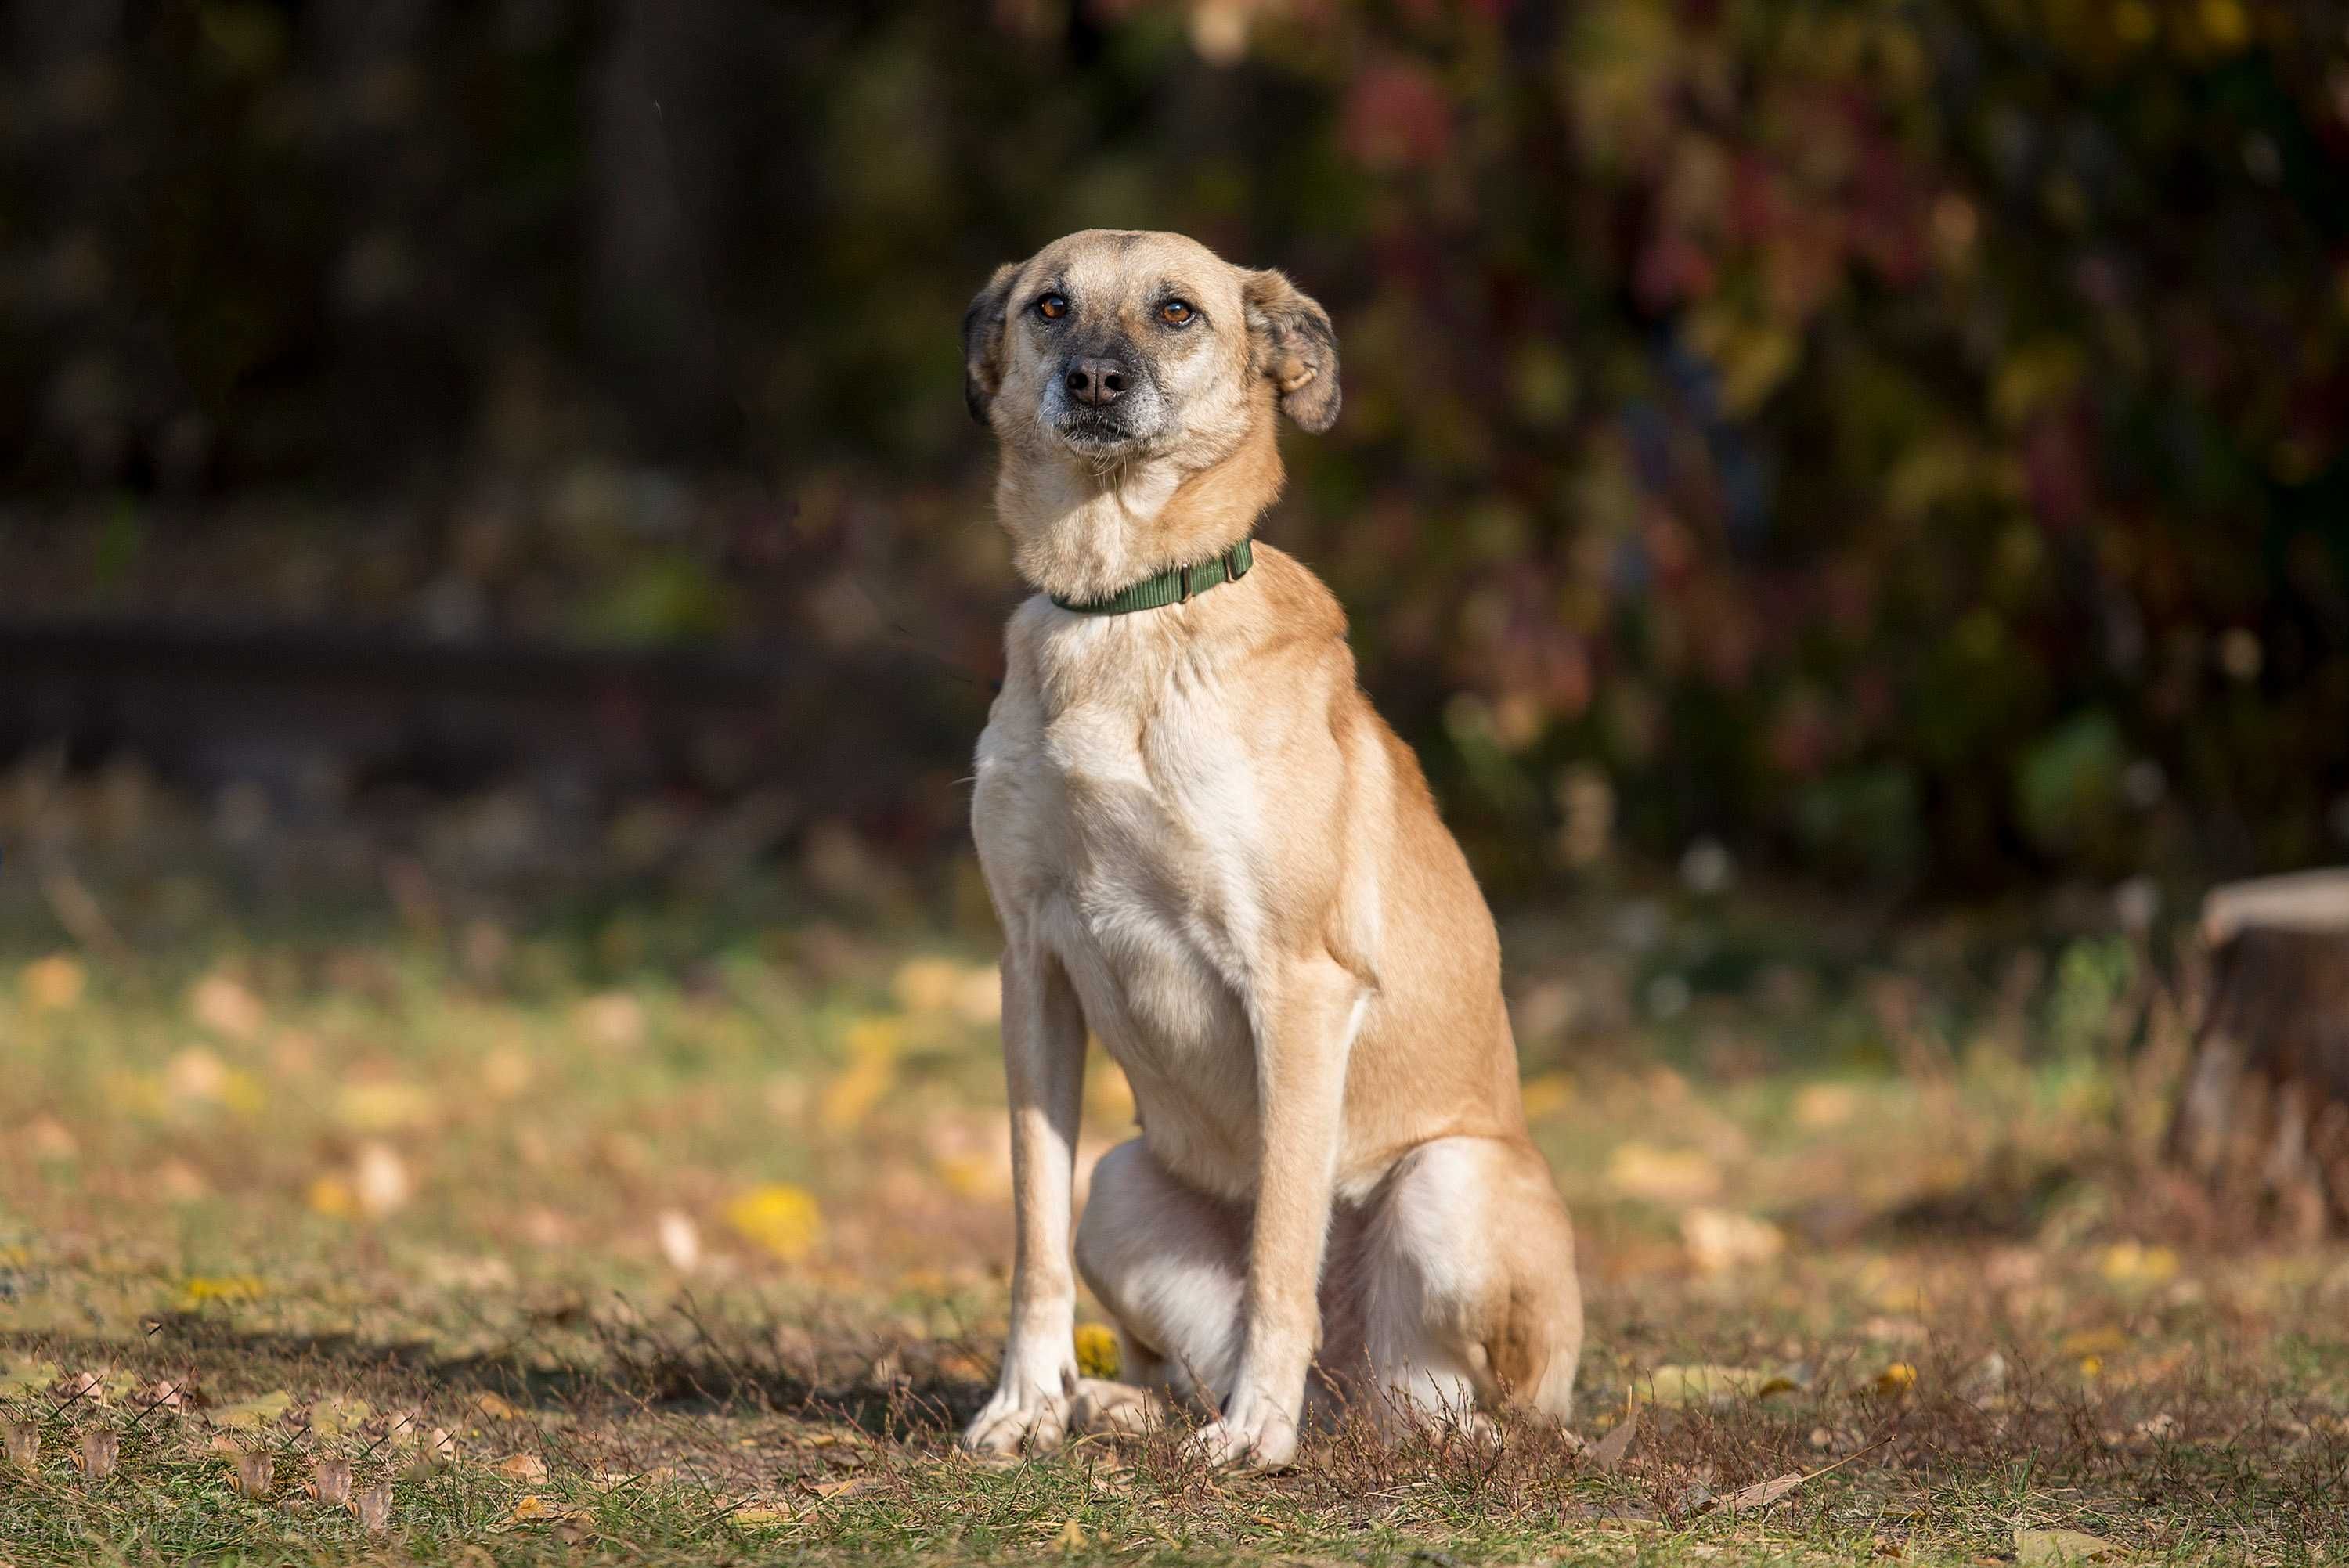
(1293, 345)
(982, 342)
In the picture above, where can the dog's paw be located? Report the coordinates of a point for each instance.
(1255, 1434)
(1115, 1409)
(1025, 1417)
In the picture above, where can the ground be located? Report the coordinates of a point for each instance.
(669, 1223)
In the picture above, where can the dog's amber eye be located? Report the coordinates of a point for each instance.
(1174, 312)
(1051, 307)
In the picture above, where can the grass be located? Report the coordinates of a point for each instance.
(668, 1223)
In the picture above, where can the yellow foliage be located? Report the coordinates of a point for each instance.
(873, 1044)
(1896, 1379)
(202, 1289)
(2132, 1264)
(1547, 1094)
(383, 1105)
(1097, 1350)
(332, 1196)
(778, 1218)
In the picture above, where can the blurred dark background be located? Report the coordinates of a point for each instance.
(1893, 446)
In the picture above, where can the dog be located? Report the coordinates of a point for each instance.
(1206, 848)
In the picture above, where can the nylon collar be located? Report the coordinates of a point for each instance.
(1175, 585)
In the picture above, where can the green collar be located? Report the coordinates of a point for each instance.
(1172, 586)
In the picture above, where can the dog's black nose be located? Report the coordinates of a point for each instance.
(1096, 381)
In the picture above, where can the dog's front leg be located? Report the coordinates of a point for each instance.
(1044, 1064)
(1304, 1036)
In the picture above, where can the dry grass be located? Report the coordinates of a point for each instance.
(670, 1228)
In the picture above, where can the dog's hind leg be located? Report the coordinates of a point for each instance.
(1170, 1264)
(1469, 1294)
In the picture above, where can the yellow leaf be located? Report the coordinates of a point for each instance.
(848, 1098)
(2106, 1340)
(258, 1411)
(522, 1467)
(202, 1289)
(1897, 1378)
(331, 1196)
(54, 984)
(383, 1105)
(1704, 1385)
(782, 1219)
(2047, 1548)
(1097, 1350)
(1547, 1094)
(532, 1509)
(762, 1514)
(1070, 1536)
(2129, 1264)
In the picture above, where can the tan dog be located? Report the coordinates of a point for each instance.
(1206, 846)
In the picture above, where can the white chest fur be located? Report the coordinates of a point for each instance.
(1114, 814)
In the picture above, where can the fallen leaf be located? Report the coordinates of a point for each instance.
(785, 1220)
(258, 1411)
(1759, 1496)
(2131, 1264)
(522, 1467)
(1070, 1537)
(2045, 1548)
(330, 1482)
(1896, 1379)
(1097, 1350)
(381, 1182)
(1718, 1240)
(762, 1514)
(226, 1008)
(373, 1506)
(495, 1407)
(532, 1509)
(1608, 1454)
(1663, 1175)
(680, 1238)
(252, 1472)
(1705, 1385)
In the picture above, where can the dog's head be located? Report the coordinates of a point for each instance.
(1116, 347)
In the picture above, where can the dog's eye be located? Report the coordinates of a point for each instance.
(1052, 307)
(1174, 312)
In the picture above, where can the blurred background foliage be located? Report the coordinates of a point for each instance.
(1898, 444)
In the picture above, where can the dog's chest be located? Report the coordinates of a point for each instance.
(1117, 834)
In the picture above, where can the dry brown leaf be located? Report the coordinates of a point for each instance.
(100, 1450)
(373, 1506)
(496, 1408)
(330, 1482)
(252, 1472)
(522, 1467)
(1607, 1455)
(1761, 1495)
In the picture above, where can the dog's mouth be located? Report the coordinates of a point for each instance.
(1096, 435)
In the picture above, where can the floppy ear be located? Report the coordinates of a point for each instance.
(982, 342)
(1292, 343)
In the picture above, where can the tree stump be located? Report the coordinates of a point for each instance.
(2262, 1116)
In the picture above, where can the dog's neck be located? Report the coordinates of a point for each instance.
(1080, 533)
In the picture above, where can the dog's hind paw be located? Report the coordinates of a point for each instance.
(1115, 1409)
